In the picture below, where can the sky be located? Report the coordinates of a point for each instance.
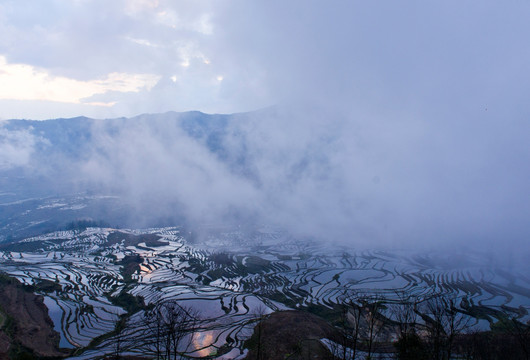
(398, 121)
(61, 58)
(99, 58)
(96, 58)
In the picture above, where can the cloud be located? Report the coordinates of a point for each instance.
(24, 82)
(396, 123)
(87, 40)
(386, 183)
(156, 166)
(390, 55)
(16, 147)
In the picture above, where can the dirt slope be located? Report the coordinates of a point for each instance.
(27, 322)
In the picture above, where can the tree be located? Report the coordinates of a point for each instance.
(349, 326)
(409, 345)
(374, 322)
(259, 315)
(120, 327)
(444, 322)
(521, 334)
(169, 329)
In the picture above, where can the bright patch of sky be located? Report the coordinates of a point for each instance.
(101, 58)
(104, 59)
(24, 82)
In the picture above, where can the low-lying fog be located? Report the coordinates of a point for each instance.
(403, 183)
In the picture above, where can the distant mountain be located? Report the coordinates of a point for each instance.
(74, 136)
(60, 156)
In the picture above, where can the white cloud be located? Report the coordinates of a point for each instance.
(25, 82)
(204, 25)
(142, 42)
(16, 147)
(134, 7)
(67, 51)
(388, 136)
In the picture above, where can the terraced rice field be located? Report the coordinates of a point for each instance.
(230, 277)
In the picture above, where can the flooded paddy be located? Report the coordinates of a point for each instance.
(230, 286)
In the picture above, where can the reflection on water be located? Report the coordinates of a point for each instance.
(202, 342)
(55, 313)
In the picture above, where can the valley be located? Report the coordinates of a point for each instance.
(91, 278)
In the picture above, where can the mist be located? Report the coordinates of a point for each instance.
(380, 126)
(348, 185)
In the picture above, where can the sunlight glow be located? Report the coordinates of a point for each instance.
(25, 82)
(202, 342)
